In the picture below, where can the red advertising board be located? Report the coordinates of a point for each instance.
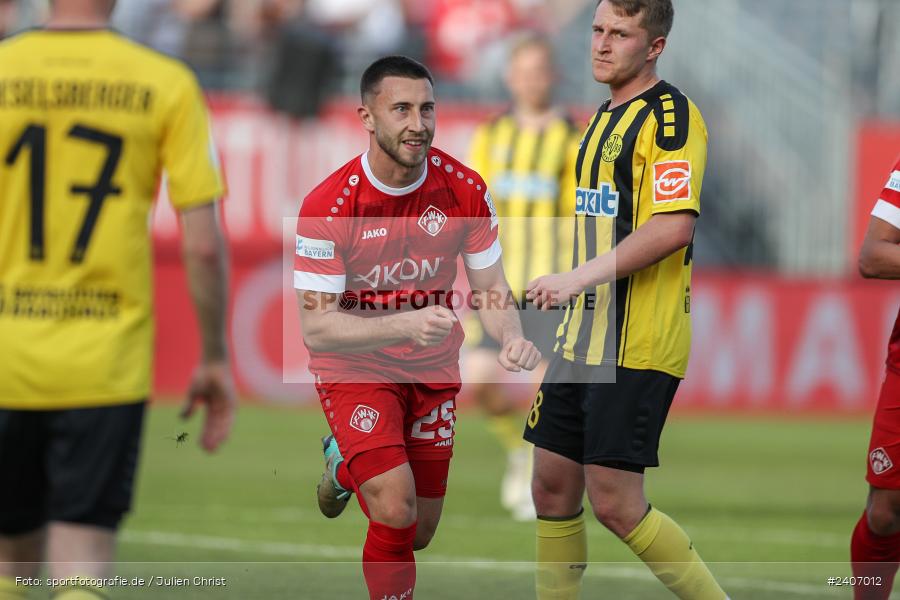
(760, 343)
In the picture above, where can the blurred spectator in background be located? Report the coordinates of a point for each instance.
(304, 60)
(160, 24)
(366, 28)
(16, 15)
(527, 157)
(468, 40)
(458, 29)
(207, 34)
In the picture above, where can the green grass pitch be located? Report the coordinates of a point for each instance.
(769, 503)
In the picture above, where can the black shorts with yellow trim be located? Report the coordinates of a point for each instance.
(71, 466)
(616, 421)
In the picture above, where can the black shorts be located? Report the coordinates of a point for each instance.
(610, 424)
(539, 327)
(74, 466)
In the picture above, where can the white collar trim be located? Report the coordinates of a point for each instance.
(392, 191)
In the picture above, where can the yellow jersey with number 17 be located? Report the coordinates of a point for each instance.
(88, 122)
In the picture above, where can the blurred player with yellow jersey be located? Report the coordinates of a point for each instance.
(527, 156)
(623, 346)
(88, 122)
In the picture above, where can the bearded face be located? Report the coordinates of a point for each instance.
(403, 119)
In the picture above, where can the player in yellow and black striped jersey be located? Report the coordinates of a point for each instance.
(623, 346)
(88, 121)
(527, 157)
(643, 158)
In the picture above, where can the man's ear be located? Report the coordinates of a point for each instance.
(656, 48)
(365, 115)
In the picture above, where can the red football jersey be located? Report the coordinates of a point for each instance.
(386, 249)
(888, 209)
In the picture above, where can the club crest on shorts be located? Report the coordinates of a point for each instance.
(880, 461)
(432, 220)
(364, 418)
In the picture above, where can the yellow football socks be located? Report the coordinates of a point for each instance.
(508, 430)
(670, 555)
(561, 557)
(10, 591)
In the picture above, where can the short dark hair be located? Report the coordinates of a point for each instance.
(656, 15)
(391, 66)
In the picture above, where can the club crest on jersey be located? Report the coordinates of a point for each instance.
(432, 220)
(671, 181)
(612, 148)
(364, 418)
(880, 461)
(603, 202)
(371, 234)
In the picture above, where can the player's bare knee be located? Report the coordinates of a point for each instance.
(423, 538)
(614, 516)
(884, 519)
(22, 554)
(399, 514)
(554, 499)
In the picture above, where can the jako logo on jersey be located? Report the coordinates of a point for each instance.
(880, 460)
(371, 234)
(404, 270)
(432, 221)
(597, 203)
(672, 181)
(354, 180)
(364, 418)
(436, 161)
(314, 249)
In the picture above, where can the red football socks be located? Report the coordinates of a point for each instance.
(342, 474)
(388, 562)
(874, 559)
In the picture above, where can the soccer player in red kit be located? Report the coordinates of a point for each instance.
(875, 545)
(376, 258)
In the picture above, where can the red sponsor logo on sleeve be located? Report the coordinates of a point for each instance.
(672, 181)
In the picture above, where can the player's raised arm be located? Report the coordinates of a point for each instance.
(879, 257)
(326, 329)
(662, 236)
(500, 317)
(320, 277)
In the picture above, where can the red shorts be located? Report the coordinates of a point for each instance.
(884, 448)
(417, 417)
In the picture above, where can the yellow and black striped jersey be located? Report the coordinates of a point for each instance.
(642, 158)
(530, 173)
(88, 121)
